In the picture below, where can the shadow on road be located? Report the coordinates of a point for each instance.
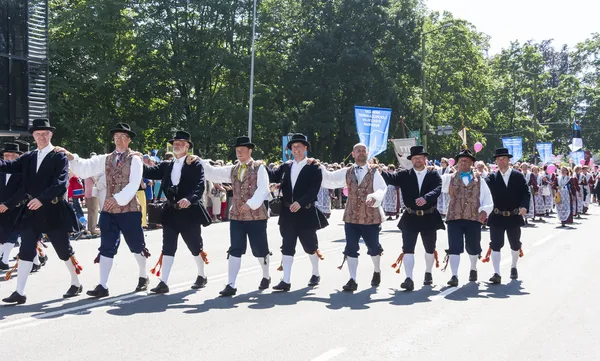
(472, 290)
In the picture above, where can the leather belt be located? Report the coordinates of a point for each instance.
(420, 212)
(513, 212)
(55, 200)
(306, 206)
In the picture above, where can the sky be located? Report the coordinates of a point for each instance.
(567, 22)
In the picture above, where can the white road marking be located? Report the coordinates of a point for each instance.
(329, 355)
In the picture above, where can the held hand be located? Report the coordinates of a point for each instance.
(3, 208)
(183, 203)
(482, 217)
(65, 152)
(420, 201)
(138, 154)
(295, 207)
(245, 208)
(191, 159)
(522, 211)
(110, 203)
(34, 204)
(371, 202)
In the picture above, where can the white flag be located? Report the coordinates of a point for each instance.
(463, 135)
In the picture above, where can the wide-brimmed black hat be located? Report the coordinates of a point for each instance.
(123, 128)
(243, 142)
(11, 148)
(298, 138)
(465, 153)
(23, 145)
(417, 150)
(502, 152)
(40, 124)
(182, 135)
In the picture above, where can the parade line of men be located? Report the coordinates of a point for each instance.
(32, 195)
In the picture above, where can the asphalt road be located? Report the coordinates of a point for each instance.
(549, 314)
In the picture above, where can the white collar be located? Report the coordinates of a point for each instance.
(420, 171)
(302, 162)
(359, 166)
(505, 173)
(179, 160)
(47, 148)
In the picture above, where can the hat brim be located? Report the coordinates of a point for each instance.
(2, 151)
(188, 141)
(33, 129)
(249, 145)
(289, 145)
(412, 155)
(128, 132)
(465, 156)
(502, 155)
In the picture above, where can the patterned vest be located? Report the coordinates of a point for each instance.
(117, 177)
(244, 190)
(464, 199)
(357, 211)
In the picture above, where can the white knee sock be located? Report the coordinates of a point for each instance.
(200, 265)
(6, 249)
(376, 263)
(23, 270)
(429, 259)
(234, 268)
(454, 263)
(165, 271)
(515, 258)
(141, 260)
(264, 264)
(287, 262)
(314, 260)
(473, 260)
(74, 276)
(105, 267)
(352, 266)
(409, 264)
(496, 256)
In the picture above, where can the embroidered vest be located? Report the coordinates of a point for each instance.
(117, 177)
(464, 199)
(357, 211)
(244, 190)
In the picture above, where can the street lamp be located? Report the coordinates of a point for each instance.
(250, 105)
(423, 119)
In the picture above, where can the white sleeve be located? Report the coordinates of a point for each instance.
(486, 202)
(379, 189)
(135, 179)
(262, 189)
(335, 179)
(216, 174)
(446, 182)
(86, 168)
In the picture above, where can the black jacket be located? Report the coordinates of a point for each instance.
(305, 193)
(12, 195)
(409, 186)
(515, 196)
(191, 187)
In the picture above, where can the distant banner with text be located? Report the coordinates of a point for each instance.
(402, 150)
(372, 126)
(515, 147)
(545, 152)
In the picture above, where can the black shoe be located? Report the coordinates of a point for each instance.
(473, 276)
(98, 292)
(142, 284)
(15, 297)
(43, 260)
(264, 283)
(160, 288)
(408, 284)
(282, 286)
(428, 279)
(514, 274)
(314, 281)
(73, 291)
(35, 268)
(351, 286)
(4, 266)
(200, 283)
(496, 279)
(228, 291)
(376, 280)
(453, 282)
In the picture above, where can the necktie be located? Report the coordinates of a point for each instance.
(241, 169)
(466, 175)
(118, 159)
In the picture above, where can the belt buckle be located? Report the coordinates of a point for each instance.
(496, 211)
(54, 201)
(506, 213)
(420, 212)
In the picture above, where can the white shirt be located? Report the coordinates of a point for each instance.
(337, 179)
(360, 172)
(95, 166)
(486, 202)
(41, 154)
(7, 178)
(505, 175)
(176, 172)
(296, 169)
(420, 176)
(223, 175)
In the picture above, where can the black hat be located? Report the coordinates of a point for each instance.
(40, 124)
(11, 148)
(123, 128)
(298, 138)
(417, 150)
(22, 144)
(181, 135)
(243, 142)
(465, 153)
(502, 152)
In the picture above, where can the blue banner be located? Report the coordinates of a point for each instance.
(515, 147)
(545, 152)
(372, 126)
(286, 154)
(577, 157)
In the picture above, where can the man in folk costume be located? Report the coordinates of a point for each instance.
(470, 205)
(248, 215)
(121, 212)
(299, 219)
(44, 210)
(183, 186)
(421, 189)
(511, 200)
(12, 195)
(363, 215)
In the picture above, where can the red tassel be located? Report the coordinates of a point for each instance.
(156, 269)
(521, 254)
(437, 261)
(319, 254)
(76, 264)
(8, 274)
(343, 261)
(487, 256)
(280, 268)
(97, 259)
(204, 256)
